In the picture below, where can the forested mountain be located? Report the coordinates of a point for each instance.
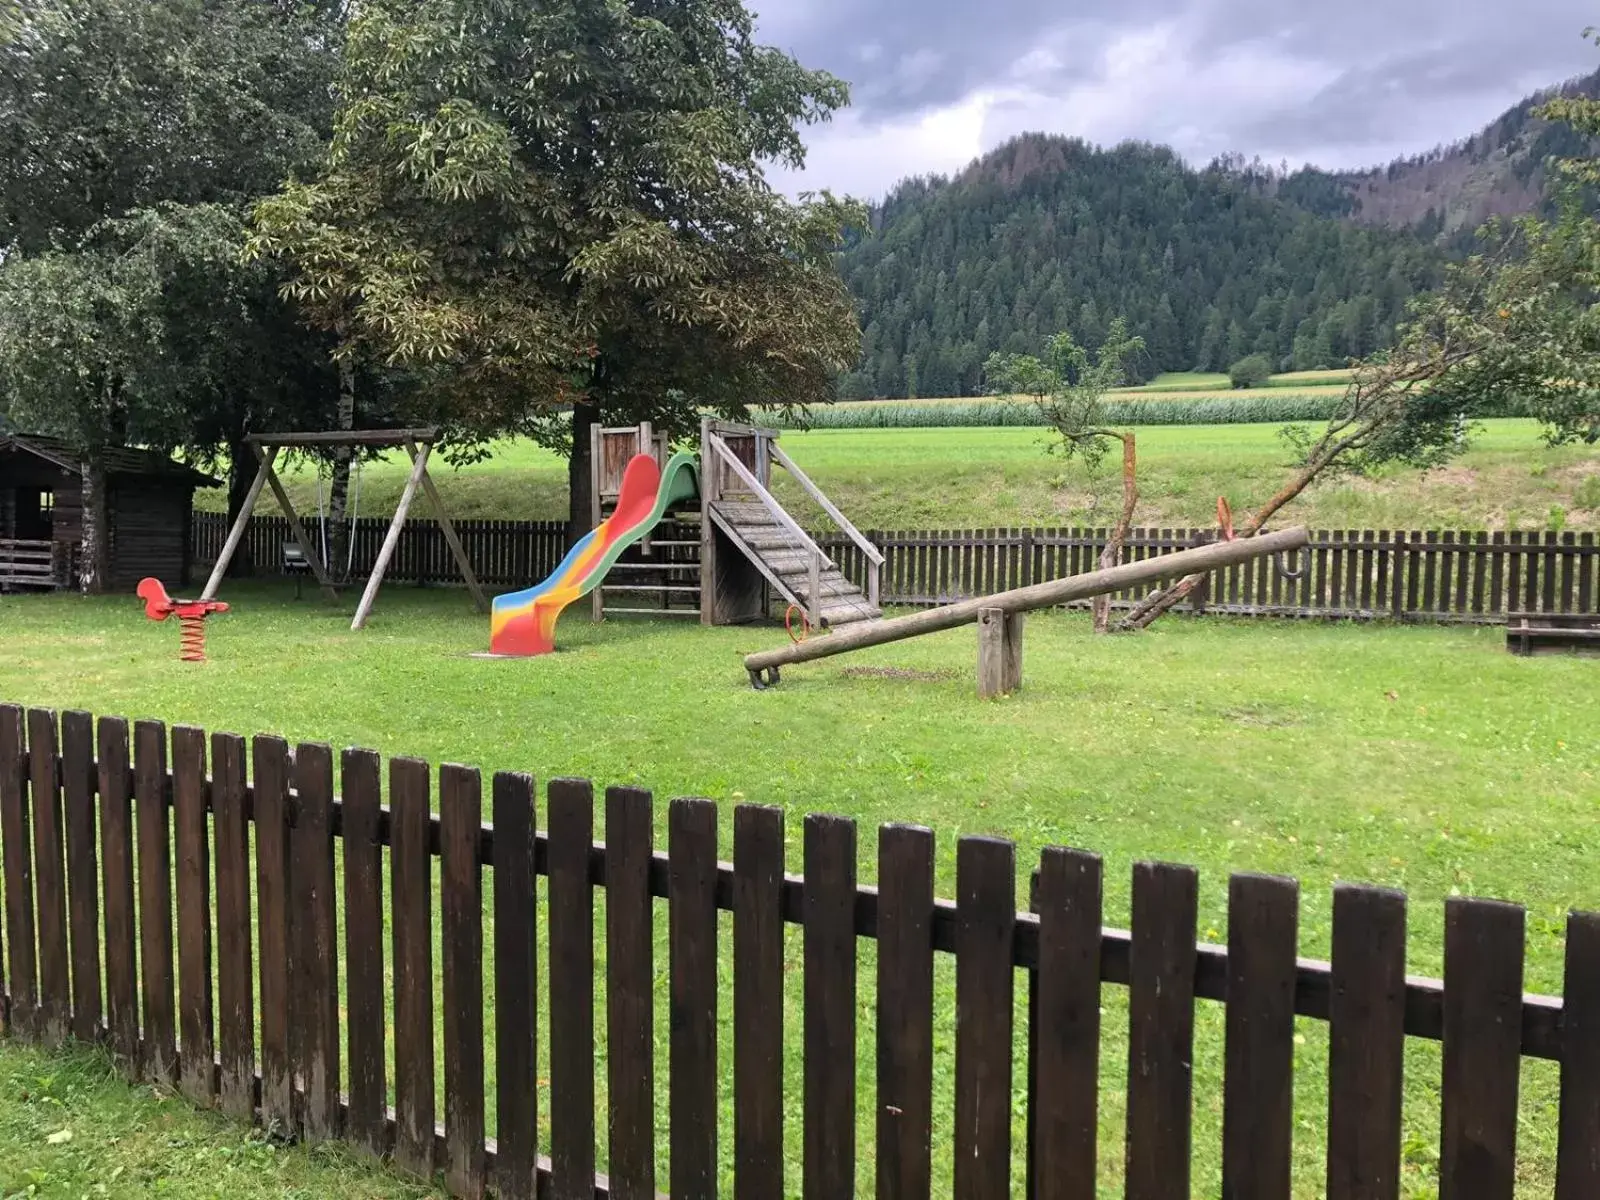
(1048, 233)
(1499, 171)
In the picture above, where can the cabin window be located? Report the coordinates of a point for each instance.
(47, 503)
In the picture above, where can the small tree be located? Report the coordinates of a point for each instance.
(1069, 386)
(1251, 372)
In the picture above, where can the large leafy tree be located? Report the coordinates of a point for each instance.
(544, 206)
(134, 136)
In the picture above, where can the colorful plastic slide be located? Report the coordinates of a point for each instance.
(524, 623)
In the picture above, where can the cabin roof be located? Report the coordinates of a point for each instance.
(121, 461)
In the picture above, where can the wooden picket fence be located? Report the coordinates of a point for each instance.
(1470, 576)
(104, 828)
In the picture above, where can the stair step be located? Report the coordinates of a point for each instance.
(845, 614)
(788, 561)
(746, 514)
(836, 586)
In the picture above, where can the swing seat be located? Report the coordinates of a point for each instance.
(294, 563)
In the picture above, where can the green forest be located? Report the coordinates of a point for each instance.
(1048, 233)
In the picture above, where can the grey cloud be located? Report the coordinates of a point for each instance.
(1381, 76)
(931, 52)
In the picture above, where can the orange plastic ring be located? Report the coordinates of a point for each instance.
(788, 623)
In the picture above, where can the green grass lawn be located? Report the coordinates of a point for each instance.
(71, 1128)
(974, 478)
(1421, 758)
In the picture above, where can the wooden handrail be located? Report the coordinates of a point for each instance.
(828, 506)
(766, 498)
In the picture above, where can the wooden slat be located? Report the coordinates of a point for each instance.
(1064, 1028)
(411, 885)
(1366, 1043)
(986, 904)
(116, 856)
(461, 904)
(1549, 568)
(197, 1045)
(758, 866)
(571, 823)
(1258, 1097)
(1483, 952)
(516, 1000)
(50, 879)
(83, 871)
(692, 938)
(314, 963)
(905, 1012)
(155, 902)
(1578, 1156)
(1587, 561)
(235, 998)
(830, 1007)
(21, 960)
(273, 891)
(1161, 1030)
(360, 788)
(1369, 552)
(630, 999)
(1497, 569)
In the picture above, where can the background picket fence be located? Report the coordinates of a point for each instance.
(1468, 576)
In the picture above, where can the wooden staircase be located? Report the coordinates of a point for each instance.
(741, 513)
(797, 570)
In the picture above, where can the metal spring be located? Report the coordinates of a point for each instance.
(192, 639)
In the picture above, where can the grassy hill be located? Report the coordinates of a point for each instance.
(975, 477)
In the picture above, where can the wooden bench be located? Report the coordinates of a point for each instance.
(1553, 633)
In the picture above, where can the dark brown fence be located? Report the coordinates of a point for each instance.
(1469, 576)
(1466, 576)
(103, 828)
(503, 553)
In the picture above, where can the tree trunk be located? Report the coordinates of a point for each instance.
(338, 533)
(242, 467)
(1112, 554)
(580, 472)
(94, 572)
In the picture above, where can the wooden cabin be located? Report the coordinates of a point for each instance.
(149, 505)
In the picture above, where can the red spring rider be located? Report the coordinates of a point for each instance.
(191, 614)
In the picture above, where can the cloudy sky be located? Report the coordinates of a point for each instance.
(1348, 84)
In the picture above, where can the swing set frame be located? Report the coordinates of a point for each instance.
(418, 444)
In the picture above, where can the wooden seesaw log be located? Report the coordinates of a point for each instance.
(1019, 600)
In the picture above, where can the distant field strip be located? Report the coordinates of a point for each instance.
(1222, 408)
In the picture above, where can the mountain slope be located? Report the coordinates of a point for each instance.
(1502, 170)
(1047, 233)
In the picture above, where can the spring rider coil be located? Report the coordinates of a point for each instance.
(191, 614)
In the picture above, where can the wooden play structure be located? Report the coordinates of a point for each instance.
(999, 616)
(418, 445)
(729, 559)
